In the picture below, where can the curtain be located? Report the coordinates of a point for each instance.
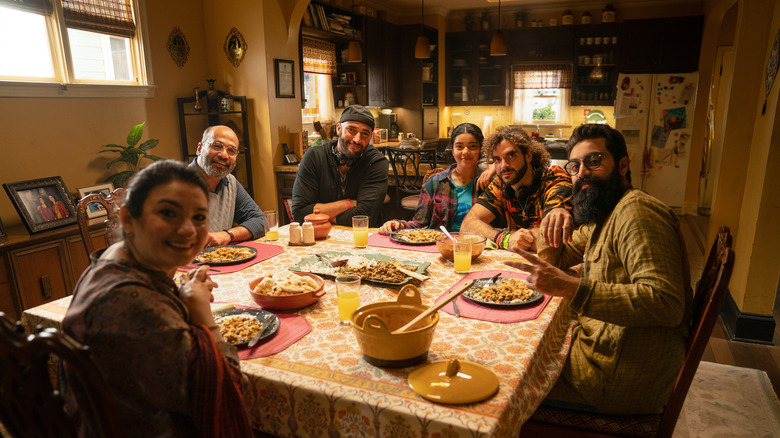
(319, 56)
(534, 76)
(42, 7)
(114, 17)
(325, 98)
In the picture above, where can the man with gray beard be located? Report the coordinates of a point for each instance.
(233, 214)
(626, 276)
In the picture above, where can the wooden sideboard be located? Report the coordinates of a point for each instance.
(42, 267)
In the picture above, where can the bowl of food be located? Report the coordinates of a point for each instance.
(444, 245)
(287, 290)
(373, 325)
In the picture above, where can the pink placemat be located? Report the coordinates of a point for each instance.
(469, 309)
(291, 329)
(384, 241)
(264, 252)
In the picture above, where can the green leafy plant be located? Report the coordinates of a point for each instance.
(544, 112)
(130, 156)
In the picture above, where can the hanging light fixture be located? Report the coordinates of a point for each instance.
(422, 49)
(354, 52)
(498, 42)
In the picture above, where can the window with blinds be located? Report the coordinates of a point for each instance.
(101, 37)
(541, 93)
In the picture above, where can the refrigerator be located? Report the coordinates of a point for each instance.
(654, 112)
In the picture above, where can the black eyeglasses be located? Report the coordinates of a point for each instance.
(591, 161)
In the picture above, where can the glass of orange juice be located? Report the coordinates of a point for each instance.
(360, 231)
(347, 297)
(273, 225)
(462, 254)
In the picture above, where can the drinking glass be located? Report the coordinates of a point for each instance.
(347, 297)
(360, 231)
(462, 254)
(272, 233)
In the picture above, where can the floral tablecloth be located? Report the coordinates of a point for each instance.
(321, 387)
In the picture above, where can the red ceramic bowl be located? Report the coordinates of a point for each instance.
(288, 302)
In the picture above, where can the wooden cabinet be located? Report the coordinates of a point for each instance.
(473, 76)
(43, 267)
(420, 84)
(383, 63)
(194, 119)
(540, 44)
(284, 186)
(662, 45)
(595, 66)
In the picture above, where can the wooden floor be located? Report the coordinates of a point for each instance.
(720, 349)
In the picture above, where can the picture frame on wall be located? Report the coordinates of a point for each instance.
(94, 209)
(3, 235)
(285, 78)
(43, 204)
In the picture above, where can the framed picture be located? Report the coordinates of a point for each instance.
(95, 209)
(285, 78)
(43, 204)
(3, 235)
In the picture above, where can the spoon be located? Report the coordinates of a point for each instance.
(447, 233)
(333, 263)
(263, 325)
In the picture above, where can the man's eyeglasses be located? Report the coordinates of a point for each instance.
(219, 147)
(591, 161)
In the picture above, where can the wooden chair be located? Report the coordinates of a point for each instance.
(557, 422)
(406, 165)
(29, 405)
(111, 204)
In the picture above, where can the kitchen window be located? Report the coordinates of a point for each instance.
(541, 93)
(76, 48)
(319, 68)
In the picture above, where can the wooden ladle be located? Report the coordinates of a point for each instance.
(436, 306)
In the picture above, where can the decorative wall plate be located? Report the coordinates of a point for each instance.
(235, 47)
(178, 47)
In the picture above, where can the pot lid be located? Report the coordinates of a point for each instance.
(453, 381)
(316, 216)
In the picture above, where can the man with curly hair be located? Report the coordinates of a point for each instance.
(531, 196)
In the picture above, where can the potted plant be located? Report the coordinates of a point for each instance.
(520, 17)
(130, 156)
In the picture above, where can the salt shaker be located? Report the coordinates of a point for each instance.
(295, 233)
(308, 233)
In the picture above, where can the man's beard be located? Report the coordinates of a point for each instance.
(210, 170)
(344, 148)
(519, 174)
(594, 204)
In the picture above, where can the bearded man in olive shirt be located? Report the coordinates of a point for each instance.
(633, 296)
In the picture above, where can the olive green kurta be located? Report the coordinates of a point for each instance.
(633, 305)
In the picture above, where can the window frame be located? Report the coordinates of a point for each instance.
(62, 64)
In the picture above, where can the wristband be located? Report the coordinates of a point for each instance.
(230, 233)
(213, 327)
(506, 240)
(497, 237)
(349, 204)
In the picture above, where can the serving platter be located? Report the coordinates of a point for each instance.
(315, 265)
(222, 262)
(472, 294)
(400, 237)
(270, 329)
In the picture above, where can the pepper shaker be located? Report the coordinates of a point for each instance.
(295, 233)
(308, 233)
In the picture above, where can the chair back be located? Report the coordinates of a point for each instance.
(406, 166)
(707, 301)
(111, 204)
(30, 406)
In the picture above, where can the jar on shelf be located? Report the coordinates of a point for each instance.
(567, 18)
(585, 19)
(608, 14)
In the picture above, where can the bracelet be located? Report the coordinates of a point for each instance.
(230, 233)
(496, 237)
(213, 327)
(506, 240)
(349, 204)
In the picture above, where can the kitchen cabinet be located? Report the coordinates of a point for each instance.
(194, 119)
(285, 178)
(420, 78)
(552, 43)
(384, 72)
(595, 66)
(473, 76)
(661, 45)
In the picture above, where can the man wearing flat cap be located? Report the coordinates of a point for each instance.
(344, 177)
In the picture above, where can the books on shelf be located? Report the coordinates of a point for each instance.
(317, 18)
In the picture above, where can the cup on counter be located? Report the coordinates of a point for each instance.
(347, 297)
(360, 231)
(272, 233)
(462, 254)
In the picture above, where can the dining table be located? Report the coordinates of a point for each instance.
(318, 384)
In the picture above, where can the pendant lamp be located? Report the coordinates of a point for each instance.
(498, 42)
(422, 49)
(354, 52)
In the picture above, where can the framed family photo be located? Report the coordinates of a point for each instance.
(43, 204)
(94, 209)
